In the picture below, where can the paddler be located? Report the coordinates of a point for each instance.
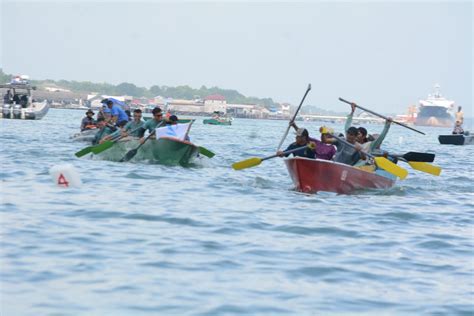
(135, 127)
(88, 122)
(322, 150)
(118, 115)
(155, 122)
(302, 139)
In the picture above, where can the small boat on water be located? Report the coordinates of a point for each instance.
(165, 150)
(18, 103)
(219, 119)
(85, 136)
(313, 175)
(456, 139)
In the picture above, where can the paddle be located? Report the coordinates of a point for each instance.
(130, 154)
(294, 117)
(206, 152)
(416, 156)
(109, 143)
(255, 161)
(86, 150)
(380, 115)
(424, 167)
(381, 162)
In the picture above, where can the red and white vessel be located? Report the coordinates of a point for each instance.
(313, 175)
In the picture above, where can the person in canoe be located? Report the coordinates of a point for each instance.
(88, 122)
(368, 143)
(322, 150)
(346, 154)
(155, 122)
(117, 132)
(302, 139)
(118, 115)
(104, 113)
(104, 130)
(135, 127)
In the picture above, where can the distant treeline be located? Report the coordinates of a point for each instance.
(125, 88)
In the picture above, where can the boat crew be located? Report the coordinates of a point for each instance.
(302, 139)
(135, 127)
(322, 150)
(88, 122)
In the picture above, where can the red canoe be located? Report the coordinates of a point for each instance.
(313, 175)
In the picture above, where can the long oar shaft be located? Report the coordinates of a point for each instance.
(380, 115)
(294, 117)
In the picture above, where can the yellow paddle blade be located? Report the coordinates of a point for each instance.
(390, 167)
(248, 163)
(425, 167)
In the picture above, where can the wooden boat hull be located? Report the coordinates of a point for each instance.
(313, 175)
(166, 150)
(217, 122)
(456, 139)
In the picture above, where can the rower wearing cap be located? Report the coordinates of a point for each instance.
(302, 139)
(88, 122)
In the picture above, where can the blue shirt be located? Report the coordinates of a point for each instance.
(117, 111)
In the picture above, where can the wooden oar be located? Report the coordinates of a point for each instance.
(294, 117)
(381, 162)
(381, 116)
(255, 161)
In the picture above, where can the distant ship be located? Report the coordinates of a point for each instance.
(435, 111)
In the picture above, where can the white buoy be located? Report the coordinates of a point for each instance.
(65, 176)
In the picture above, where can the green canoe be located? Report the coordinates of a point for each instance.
(166, 150)
(218, 121)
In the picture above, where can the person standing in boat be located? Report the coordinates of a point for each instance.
(322, 150)
(302, 139)
(7, 98)
(458, 128)
(135, 127)
(88, 122)
(118, 115)
(460, 115)
(155, 122)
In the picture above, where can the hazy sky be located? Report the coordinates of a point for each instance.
(384, 55)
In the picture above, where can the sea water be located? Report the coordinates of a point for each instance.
(146, 239)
